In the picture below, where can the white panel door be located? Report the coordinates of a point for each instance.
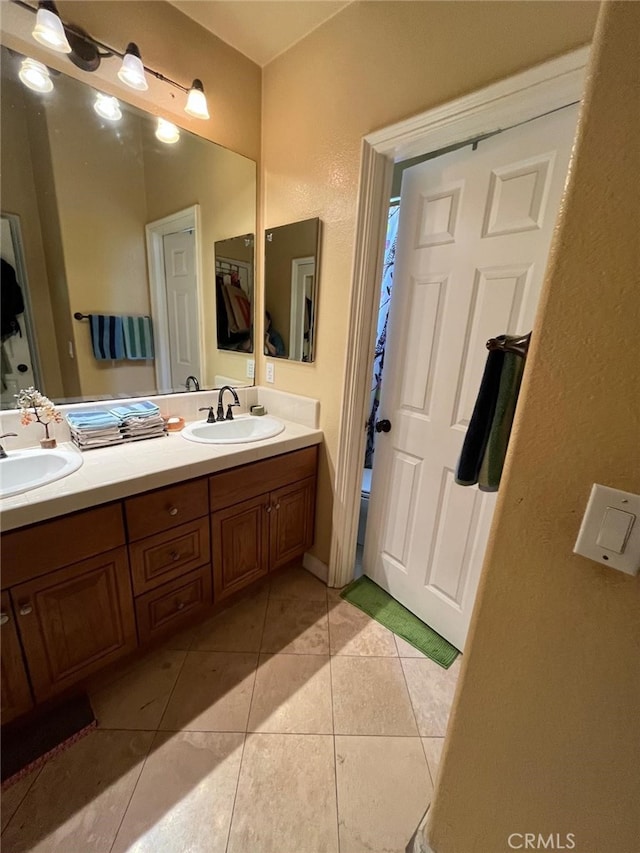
(182, 306)
(473, 239)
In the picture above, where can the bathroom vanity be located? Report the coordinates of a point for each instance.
(83, 589)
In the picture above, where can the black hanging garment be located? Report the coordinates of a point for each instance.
(11, 302)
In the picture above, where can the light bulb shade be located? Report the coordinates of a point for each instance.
(167, 132)
(196, 102)
(35, 75)
(132, 70)
(107, 107)
(49, 29)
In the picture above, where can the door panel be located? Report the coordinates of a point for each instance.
(240, 536)
(75, 621)
(16, 693)
(473, 239)
(182, 306)
(291, 522)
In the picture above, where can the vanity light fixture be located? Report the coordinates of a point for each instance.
(132, 70)
(196, 101)
(107, 107)
(167, 132)
(35, 75)
(49, 29)
(87, 53)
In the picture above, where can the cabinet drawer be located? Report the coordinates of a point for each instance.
(165, 508)
(249, 481)
(75, 621)
(167, 607)
(41, 548)
(168, 555)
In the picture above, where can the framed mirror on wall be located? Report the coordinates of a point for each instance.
(120, 214)
(292, 256)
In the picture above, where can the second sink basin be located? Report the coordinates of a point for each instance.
(23, 470)
(240, 430)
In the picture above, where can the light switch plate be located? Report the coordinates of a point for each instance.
(600, 512)
(270, 372)
(251, 368)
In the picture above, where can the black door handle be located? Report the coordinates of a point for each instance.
(383, 425)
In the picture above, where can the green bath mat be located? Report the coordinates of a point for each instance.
(369, 597)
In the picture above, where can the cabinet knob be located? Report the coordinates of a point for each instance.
(277, 506)
(268, 508)
(175, 556)
(173, 510)
(26, 609)
(4, 618)
(180, 605)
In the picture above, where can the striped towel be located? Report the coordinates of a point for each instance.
(138, 338)
(141, 409)
(92, 419)
(106, 336)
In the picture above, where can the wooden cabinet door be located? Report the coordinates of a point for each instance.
(292, 516)
(240, 539)
(16, 693)
(74, 621)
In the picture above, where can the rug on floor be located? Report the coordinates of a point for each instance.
(373, 600)
(27, 744)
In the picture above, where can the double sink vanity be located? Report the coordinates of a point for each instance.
(142, 539)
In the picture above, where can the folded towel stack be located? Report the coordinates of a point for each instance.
(94, 428)
(103, 427)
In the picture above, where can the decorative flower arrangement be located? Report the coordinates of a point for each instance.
(34, 406)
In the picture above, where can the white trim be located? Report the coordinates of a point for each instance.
(295, 338)
(316, 567)
(155, 231)
(524, 96)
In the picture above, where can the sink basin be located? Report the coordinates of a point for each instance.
(23, 470)
(240, 430)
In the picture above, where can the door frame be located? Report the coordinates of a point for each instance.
(182, 220)
(522, 97)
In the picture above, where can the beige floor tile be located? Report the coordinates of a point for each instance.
(13, 796)
(286, 799)
(296, 627)
(298, 583)
(431, 688)
(238, 629)
(213, 693)
(383, 791)
(370, 697)
(184, 797)
(78, 800)
(433, 750)
(352, 632)
(138, 698)
(292, 693)
(406, 650)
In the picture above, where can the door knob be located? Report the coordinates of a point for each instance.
(383, 426)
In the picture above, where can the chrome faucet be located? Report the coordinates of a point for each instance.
(3, 452)
(196, 384)
(236, 402)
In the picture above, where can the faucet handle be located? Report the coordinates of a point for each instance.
(210, 417)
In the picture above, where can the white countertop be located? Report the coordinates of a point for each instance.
(111, 473)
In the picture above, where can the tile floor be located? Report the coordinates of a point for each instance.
(290, 723)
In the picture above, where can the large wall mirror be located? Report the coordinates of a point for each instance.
(125, 222)
(292, 254)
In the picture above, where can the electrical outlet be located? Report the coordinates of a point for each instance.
(270, 372)
(251, 368)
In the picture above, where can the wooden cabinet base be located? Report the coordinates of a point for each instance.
(173, 605)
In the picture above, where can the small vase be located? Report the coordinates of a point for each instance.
(48, 443)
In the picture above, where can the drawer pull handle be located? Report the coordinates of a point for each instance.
(180, 605)
(25, 609)
(175, 556)
(268, 508)
(173, 510)
(4, 618)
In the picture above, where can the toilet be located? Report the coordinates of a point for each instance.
(364, 503)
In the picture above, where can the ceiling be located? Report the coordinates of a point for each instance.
(261, 29)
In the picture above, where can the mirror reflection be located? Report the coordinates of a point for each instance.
(112, 217)
(291, 290)
(234, 293)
